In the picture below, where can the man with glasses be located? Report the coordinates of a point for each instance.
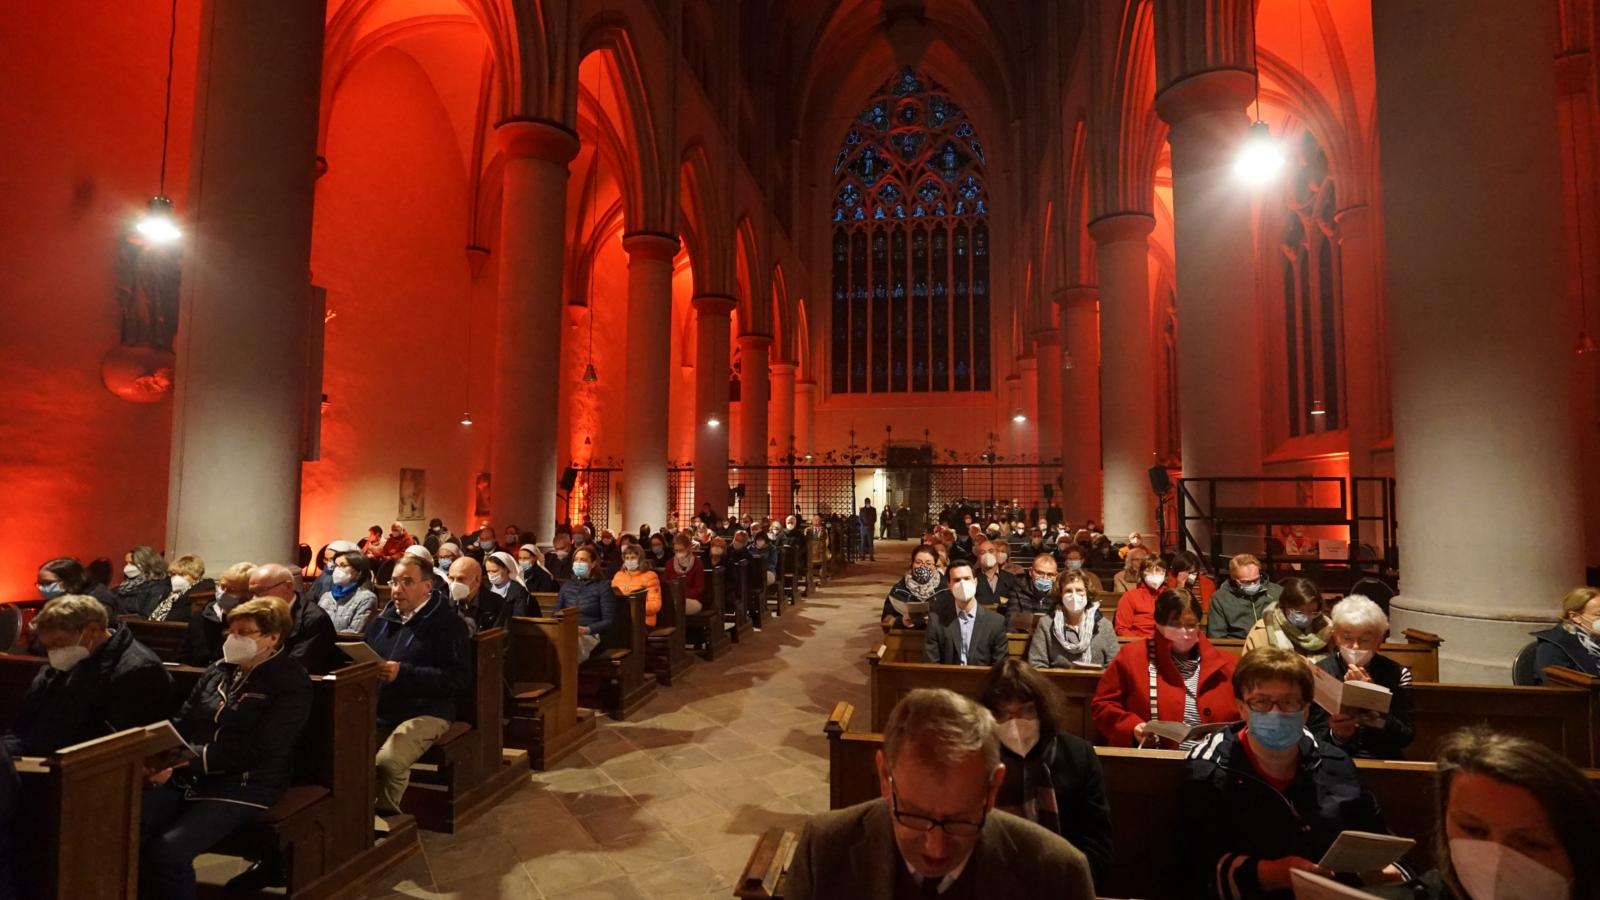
(312, 637)
(935, 831)
(1267, 797)
(1239, 602)
(424, 643)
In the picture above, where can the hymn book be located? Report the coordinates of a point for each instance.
(1335, 695)
(359, 652)
(174, 752)
(1178, 733)
(1311, 886)
(1363, 851)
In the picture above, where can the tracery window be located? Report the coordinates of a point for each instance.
(911, 284)
(1312, 302)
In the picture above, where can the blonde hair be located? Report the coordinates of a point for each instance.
(189, 566)
(236, 580)
(1240, 561)
(1576, 599)
(270, 614)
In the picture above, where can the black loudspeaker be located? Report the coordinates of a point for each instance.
(738, 490)
(1159, 482)
(569, 478)
(1049, 491)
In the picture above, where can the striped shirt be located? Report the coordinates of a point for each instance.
(1189, 669)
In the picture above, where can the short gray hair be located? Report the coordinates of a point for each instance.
(1356, 611)
(70, 613)
(943, 726)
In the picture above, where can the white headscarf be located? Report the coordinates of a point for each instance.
(509, 563)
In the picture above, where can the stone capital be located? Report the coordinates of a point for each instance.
(477, 257)
(1027, 362)
(1353, 222)
(1219, 90)
(782, 369)
(752, 343)
(650, 246)
(1120, 227)
(805, 386)
(714, 304)
(1079, 296)
(1047, 337)
(537, 139)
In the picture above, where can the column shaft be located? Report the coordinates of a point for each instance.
(712, 321)
(1482, 372)
(1127, 371)
(1028, 367)
(644, 431)
(528, 322)
(1047, 347)
(781, 427)
(753, 401)
(805, 401)
(241, 393)
(1080, 405)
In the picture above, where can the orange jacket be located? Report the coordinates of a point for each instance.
(628, 582)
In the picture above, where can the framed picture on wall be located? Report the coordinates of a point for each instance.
(480, 495)
(413, 493)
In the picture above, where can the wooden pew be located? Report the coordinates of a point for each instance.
(1419, 652)
(1138, 781)
(905, 644)
(1564, 716)
(169, 640)
(613, 678)
(667, 651)
(545, 718)
(468, 770)
(750, 580)
(789, 570)
(721, 580)
(79, 808)
(709, 623)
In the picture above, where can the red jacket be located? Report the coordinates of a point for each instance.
(1136, 612)
(1123, 698)
(694, 580)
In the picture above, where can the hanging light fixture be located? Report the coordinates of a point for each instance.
(713, 422)
(1260, 156)
(158, 225)
(466, 418)
(1317, 409)
(1019, 416)
(1067, 363)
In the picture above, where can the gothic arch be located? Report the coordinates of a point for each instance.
(703, 222)
(782, 327)
(645, 118)
(752, 271)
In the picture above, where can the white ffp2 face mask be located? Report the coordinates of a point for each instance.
(459, 591)
(1354, 657)
(1018, 735)
(1493, 871)
(130, 571)
(236, 649)
(964, 591)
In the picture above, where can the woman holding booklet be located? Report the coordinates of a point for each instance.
(1368, 724)
(1166, 689)
(1272, 799)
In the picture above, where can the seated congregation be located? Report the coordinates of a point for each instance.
(320, 714)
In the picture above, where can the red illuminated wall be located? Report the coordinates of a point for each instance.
(82, 472)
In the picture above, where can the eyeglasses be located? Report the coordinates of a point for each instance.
(402, 582)
(951, 827)
(1284, 706)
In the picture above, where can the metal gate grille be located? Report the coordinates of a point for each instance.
(680, 493)
(590, 498)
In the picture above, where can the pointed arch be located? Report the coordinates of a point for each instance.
(752, 276)
(644, 117)
(782, 330)
(703, 222)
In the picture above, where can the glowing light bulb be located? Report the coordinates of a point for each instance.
(466, 418)
(1019, 416)
(157, 225)
(1260, 158)
(713, 422)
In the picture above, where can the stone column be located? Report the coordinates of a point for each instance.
(528, 324)
(1047, 348)
(1080, 404)
(241, 394)
(1017, 431)
(805, 402)
(645, 429)
(1481, 352)
(1028, 368)
(1127, 371)
(1219, 340)
(753, 402)
(1362, 368)
(781, 430)
(713, 319)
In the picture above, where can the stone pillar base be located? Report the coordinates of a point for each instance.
(1475, 650)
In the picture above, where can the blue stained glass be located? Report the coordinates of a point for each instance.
(938, 209)
(961, 207)
(969, 187)
(907, 143)
(981, 209)
(853, 138)
(899, 210)
(849, 195)
(908, 83)
(978, 288)
(919, 212)
(860, 215)
(889, 193)
(964, 130)
(843, 154)
(908, 113)
(978, 149)
(920, 290)
(929, 191)
(879, 214)
(838, 214)
(876, 116)
(869, 166)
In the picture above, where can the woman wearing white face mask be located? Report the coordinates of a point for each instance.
(1516, 821)
(244, 719)
(1359, 628)
(1052, 778)
(506, 594)
(145, 582)
(1296, 622)
(186, 574)
(1174, 676)
(350, 599)
(1136, 610)
(636, 575)
(1075, 633)
(97, 681)
(1575, 641)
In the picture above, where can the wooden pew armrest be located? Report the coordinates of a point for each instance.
(768, 863)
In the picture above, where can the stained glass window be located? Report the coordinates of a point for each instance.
(1312, 305)
(910, 245)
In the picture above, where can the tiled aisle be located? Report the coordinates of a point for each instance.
(670, 803)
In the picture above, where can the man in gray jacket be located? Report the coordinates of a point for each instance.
(1240, 600)
(935, 832)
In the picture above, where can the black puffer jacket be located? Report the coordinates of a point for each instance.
(432, 651)
(1241, 820)
(245, 725)
(1559, 647)
(122, 685)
